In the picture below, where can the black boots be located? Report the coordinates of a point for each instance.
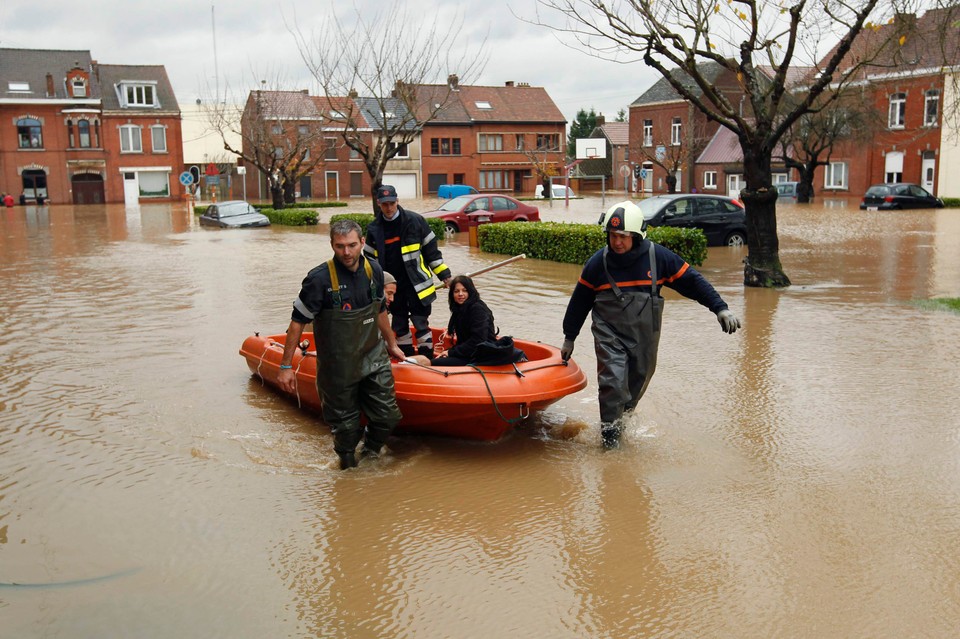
(347, 460)
(610, 435)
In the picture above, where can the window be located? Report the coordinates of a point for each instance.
(154, 183)
(303, 129)
(482, 104)
(675, 132)
(893, 167)
(79, 87)
(898, 110)
(494, 180)
(445, 146)
(548, 141)
(931, 107)
(519, 144)
(82, 138)
(330, 152)
(278, 152)
(139, 95)
(276, 129)
(354, 154)
(403, 150)
(30, 133)
(130, 139)
(491, 142)
(648, 133)
(709, 179)
(158, 135)
(835, 175)
(20, 87)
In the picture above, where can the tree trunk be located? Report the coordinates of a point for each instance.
(762, 266)
(547, 190)
(671, 183)
(289, 192)
(805, 186)
(276, 194)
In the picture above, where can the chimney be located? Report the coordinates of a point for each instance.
(353, 94)
(50, 91)
(453, 82)
(601, 120)
(508, 83)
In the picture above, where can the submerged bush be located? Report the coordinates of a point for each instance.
(575, 243)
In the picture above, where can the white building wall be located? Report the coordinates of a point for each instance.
(948, 175)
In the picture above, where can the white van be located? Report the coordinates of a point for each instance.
(559, 192)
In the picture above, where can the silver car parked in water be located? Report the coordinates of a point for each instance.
(233, 214)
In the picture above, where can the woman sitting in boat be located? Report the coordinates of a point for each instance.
(471, 322)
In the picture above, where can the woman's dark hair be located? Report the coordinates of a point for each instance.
(472, 293)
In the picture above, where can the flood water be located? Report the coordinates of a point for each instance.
(800, 478)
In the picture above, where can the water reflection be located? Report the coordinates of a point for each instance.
(797, 479)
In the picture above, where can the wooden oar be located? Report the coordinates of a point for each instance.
(491, 267)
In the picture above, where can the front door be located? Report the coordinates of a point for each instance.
(131, 189)
(734, 184)
(333, 190)
(928, 170)
(305, 188)
(87, 189)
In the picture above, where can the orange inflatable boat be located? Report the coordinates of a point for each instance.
(481, 403)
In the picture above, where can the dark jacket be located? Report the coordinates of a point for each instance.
(631, 272)
(418, 247)
(472, 322)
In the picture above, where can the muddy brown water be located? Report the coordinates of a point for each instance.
(798, 479)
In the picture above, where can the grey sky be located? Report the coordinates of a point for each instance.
(251, 37)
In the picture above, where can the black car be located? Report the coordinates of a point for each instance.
(722, 219)
(233, 214)
(898, 195)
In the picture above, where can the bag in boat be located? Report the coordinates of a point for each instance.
(497, 353)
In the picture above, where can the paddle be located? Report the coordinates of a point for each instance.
(491, 267)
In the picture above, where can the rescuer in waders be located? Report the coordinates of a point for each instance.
(402, 242)
(345, 301)
(620, 284)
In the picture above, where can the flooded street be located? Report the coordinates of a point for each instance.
(800, 478)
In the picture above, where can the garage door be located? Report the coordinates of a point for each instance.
(405, 183)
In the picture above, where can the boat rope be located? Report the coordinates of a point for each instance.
(493, 399)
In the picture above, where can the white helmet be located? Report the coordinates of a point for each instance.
(624, 217)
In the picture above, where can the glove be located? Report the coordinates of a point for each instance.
(728, 321)
(566, 350)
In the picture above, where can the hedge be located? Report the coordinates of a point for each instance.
(286, 217)
(951, 202)
(364, 219)
(575, 243)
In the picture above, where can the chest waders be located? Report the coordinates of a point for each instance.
(354, 374)
(626, 336)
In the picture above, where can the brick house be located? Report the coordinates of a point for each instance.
(488, 137)
(75, 129)
(616, 137)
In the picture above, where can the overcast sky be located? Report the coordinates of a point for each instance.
(251, 36)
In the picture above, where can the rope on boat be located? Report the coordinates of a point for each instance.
(493, 399)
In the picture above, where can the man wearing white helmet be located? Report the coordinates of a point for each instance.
(620, 284)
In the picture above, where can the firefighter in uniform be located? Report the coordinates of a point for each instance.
(620, 285)
(345, 301)
(403, 243)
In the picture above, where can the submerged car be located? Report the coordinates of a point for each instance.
(449, 191)
(485, 208)
(233, 214)
(787, 191)
(722, 219)
(559, 192)
(899, 195)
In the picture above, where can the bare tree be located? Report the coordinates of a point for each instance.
(395, 65)
(280, 133)
(743, 36)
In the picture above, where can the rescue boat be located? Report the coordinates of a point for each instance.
(480, 403)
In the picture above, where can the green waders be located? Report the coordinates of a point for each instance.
(354, 375)
(626, 336)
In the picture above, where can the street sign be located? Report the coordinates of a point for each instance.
(624, 171)
(643, 174)
(186, 178)
(661, 153)
(212, 169)
(213, 180)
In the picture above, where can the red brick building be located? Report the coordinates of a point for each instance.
(83, 132)
(489, 137)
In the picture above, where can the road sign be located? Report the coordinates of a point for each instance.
(186, 178)
(624, 171)
(643, 174)
(661, 153)
(213, 180)
(212, 169)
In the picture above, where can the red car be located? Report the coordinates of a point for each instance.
(500, 208)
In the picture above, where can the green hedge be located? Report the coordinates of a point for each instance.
(309, 205)
(286, 217)
(575, 243)
(364, 219)
(951, 202)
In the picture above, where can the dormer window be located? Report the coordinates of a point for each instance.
(134, 94)
(78, 87)
(19, 87)
(337, 115)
